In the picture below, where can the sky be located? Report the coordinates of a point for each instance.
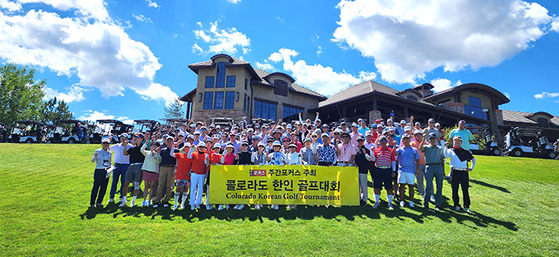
(128, 59)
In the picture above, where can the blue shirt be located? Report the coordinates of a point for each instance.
(406, 159)
(362, 130)
(466, 137)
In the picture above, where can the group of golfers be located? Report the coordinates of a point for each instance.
(175, 161)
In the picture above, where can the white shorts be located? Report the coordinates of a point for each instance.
(406, 178)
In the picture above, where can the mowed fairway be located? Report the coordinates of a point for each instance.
(44, 200)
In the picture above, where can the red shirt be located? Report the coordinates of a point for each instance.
(198, 165)
(229, 159)
(183, 166)
(384, 157)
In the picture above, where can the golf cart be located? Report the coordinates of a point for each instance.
(27, 131)
(528, 142)
(145, 125)
(95, 132)
(68, 131)
(484, 143)
(3, 133)
(114, 128)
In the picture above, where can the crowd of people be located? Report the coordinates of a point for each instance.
(175, 161)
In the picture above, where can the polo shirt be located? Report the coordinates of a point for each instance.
(406, 159)
(183, 166)
(118, 156)
(466, 137)
(384, 157)
(198, 165)
(135, 154)
(166, 158)
(346, 151)
(433, 154)
(416, 145)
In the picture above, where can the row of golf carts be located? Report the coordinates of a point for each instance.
(71, 131)
(518, 142)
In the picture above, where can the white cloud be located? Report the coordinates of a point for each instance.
(555, 24)
(319, 51)
(95, 115)
(88, 8)
(265, 66)
(197, 48)
(545, 95)
(89, 45)
(280, 19)
(443, 84)
(409, 38)
(74, 95)
(221, 40)
(153, 4)
(233, 1)
(158, 92)
(321, 79)
(142, 18)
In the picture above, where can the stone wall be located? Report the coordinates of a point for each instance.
(457, 107)
(207, 115)
(374, 115)
(499, 117)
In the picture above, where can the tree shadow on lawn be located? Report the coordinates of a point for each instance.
(350, 213)
(485, 184)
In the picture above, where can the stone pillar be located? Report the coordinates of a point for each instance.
(374, 115)
(495, 123)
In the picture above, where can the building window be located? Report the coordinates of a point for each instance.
(229, 99)
(230, 81)
(543, 122)
(412, 98)
(210, 81)
(246, 84)
(281, 87)
(245, 104)
(208, 100)
(291, 113)
(265, 110)
(474, 108)
(218, 103)
(220, 81)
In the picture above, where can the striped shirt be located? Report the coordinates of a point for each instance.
(384, 157)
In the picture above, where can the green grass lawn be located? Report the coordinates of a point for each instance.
(44, 200)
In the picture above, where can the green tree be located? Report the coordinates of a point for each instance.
(175, 110)
(53, 110)
(20, 95)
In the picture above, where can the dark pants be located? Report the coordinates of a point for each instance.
(324, 163)
(460, 179)
(100, 182)
(372, 170)
(119, 171)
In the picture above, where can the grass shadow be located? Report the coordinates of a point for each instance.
(485, 184)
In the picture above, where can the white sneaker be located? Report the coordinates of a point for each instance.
(209, 207)
(120, 200)
(197, 206)
(467, 210)
(390, 207)
(174, 207)
(411, 204)
(182, 206)
(122, 204)
(227, 206)
(112, 200)
(241, 206)
(402, 203)
(376, 205)
(236, 206)
(220, 208)
(257, 207)
(292, 207)
(433, 199)
(275, 207)
(133, 203)
(457, 208)
(148, 203)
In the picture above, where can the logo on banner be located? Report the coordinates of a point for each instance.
(257, 173)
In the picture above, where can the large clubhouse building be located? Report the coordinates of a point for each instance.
(232, 88)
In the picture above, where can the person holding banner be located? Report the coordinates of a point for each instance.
(259, 156)
(293, 158)
(346, 150)
(276, 158)
(327, 153)
(385, 170)
(243, 158)
(200, 162)
(308, 153)
(364, 164)
(215, 159)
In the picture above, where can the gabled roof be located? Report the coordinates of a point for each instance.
(294, 87)
(514, 116)
(503, 99)
(291, 79)
(356, 91)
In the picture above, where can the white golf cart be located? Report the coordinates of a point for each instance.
(27, 131)
(528, 142)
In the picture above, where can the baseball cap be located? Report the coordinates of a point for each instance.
(201, 144)
(418, 132)
(105, 140)
(407, 128)
(217, 145)
(432, 135)
(324, 135)
(276, 143)
(405, 136)
(124, 135)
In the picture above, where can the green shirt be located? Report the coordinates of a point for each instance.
(466, 137)
(433, 154)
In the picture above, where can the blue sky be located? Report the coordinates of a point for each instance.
(127, 59)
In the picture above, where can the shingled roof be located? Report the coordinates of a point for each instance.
(294, 87)
(523, 117)
(358, 90)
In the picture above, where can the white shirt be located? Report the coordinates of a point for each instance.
(293, 158)
(118, 157)
(455, 161)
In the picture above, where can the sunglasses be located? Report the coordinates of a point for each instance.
(105, 143)
(345, 137)
(384, 140)
(360, 140)
(260, 146)
(314, 136)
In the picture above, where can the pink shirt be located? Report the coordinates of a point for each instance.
(346, 151)
(229, 159)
